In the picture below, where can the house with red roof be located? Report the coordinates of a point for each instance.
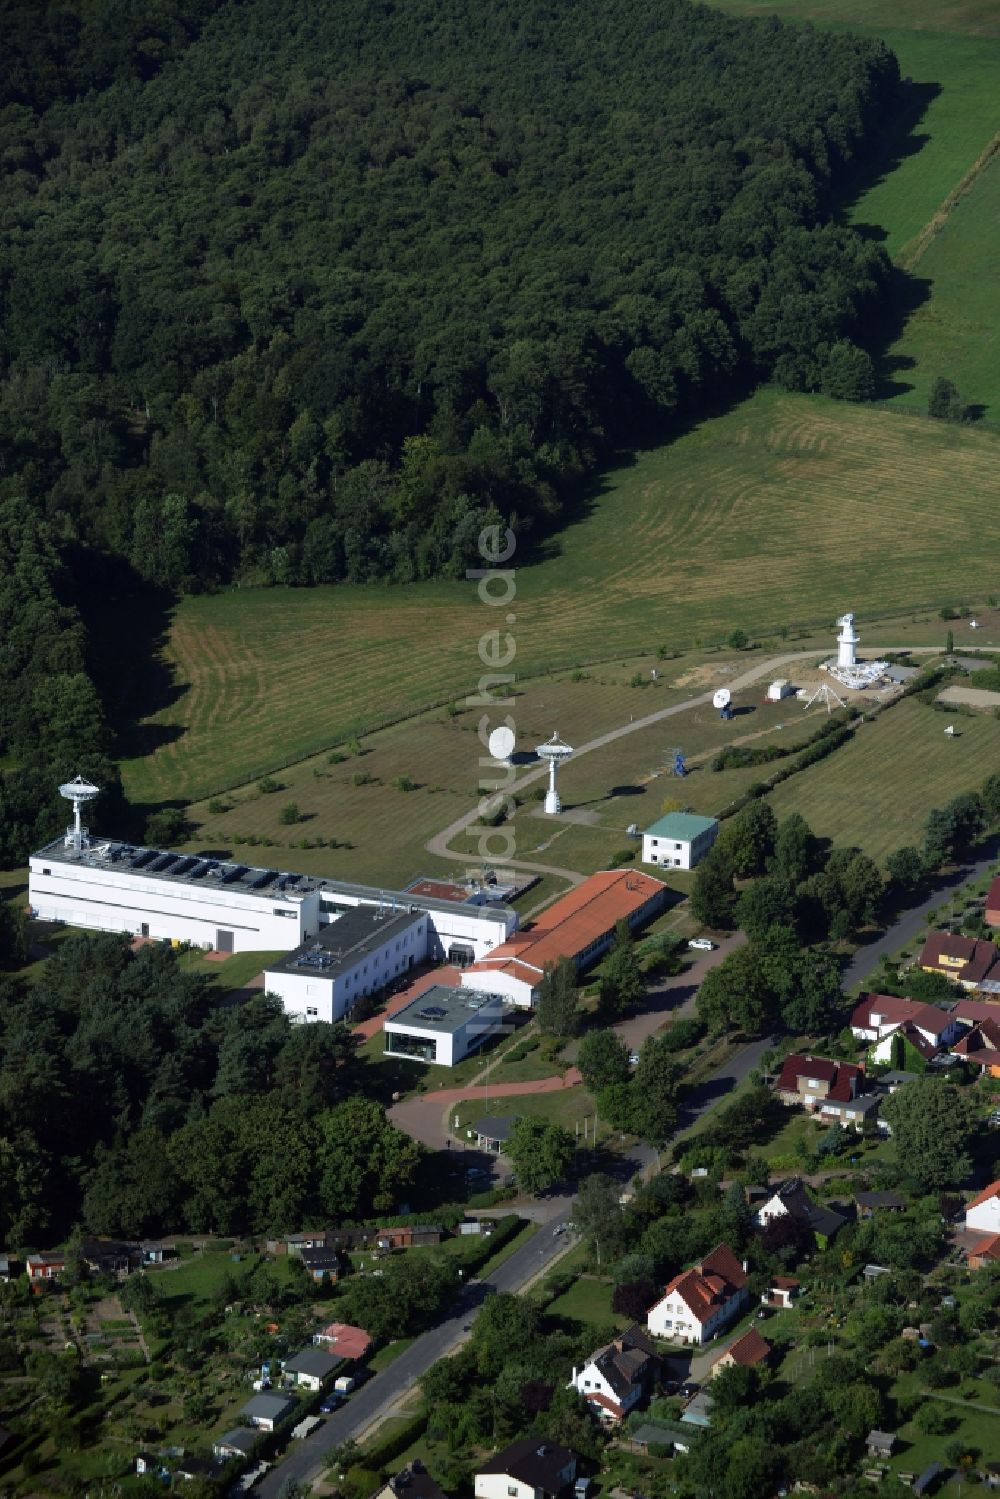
(698, 1303)
(880, 1017)
(968, 961)
(984, 1253)
(980, 1046)
(580, 926)
(992, 912)
(343, 1340)
(810, 1081)
(982, 1214)
(748, 1350)
(781, 1291)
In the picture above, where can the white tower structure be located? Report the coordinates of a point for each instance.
(78, 791)
(555, 752)
(846, 641)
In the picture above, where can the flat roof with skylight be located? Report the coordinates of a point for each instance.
(443, 1024)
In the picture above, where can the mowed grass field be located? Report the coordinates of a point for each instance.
(876, 791)
(771, 516)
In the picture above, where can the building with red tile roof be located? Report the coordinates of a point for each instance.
(985, 1252)
(748, 1350)
(880, 1016)
(993, 903)
(980, 1046)
(699, 1302)
(581, 926)
(966, 960)
(344, 1340)
(810, 1081)
(983, 1212)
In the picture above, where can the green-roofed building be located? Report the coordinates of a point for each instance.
(678, 840)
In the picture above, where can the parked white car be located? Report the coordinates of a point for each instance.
(702, 944)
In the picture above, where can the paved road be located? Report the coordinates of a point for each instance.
(767, 667)
(913, 921)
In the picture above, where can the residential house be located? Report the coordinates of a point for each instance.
(309, 1239)
(321, 1264)
(980, 1045)
(878, 1016)
(870, 1203)
(532, 1468)
(311, 1368)
(746, 1352)
(965, 960)
(239, 1442)
(266, 1411)
(811, 1081)
(153, 1253)
(984, 1253)
(679, 840)
(343, 1340)
(109, 1256)
(781, 1292)
(880, 1443)
(983, 1212)
(618, 1376)
(45, 1266)
(699, 1302)
(413, 1482)
(790, 1197)
(664, 1434)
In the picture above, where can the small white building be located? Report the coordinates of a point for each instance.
(532, 1468)
(359, 954)
(311, 1368)
(443, 1025)
(266, 1411)
(780, 689)
(678, 840)
(983, 1212)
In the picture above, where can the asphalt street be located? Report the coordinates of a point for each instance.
(306, 1459)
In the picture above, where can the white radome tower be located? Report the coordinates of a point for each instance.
(555, 752)
(846, 641)
(78, 791)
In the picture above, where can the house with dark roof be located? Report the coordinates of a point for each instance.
(870, 1203)
(266, 1411)
(532, 1468)
(810, 1081)
(618, 1376)
(239, 1442)
(311, 1368)
(698, 1303)
(791, 1198)
(980, 1045)
(321, 1264)
(965, 960)
(411, 1482)
(745, 1352)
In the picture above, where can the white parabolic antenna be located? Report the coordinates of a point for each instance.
(722, 698)
(78, 791)
(501, 743)
(555, 752)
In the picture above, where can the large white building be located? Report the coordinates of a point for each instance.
(360, 953)
(678, 840)
(233, 907)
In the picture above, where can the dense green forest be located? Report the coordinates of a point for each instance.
(132, 1101)
(303, 293)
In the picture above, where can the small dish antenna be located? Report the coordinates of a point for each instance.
(555, 752)
(722, 700)
(501, 743)
(78, 791)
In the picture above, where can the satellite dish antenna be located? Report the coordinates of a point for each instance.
(78, 791)
(555, 752)
(723, 701)
(501, 743)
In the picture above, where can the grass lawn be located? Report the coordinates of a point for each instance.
(781, 508)
(587, 1300)
(568, 1107)
(388, 1355)
(232, 973)
(876, 791)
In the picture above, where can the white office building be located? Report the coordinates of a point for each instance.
(367, 948)
(231, 907)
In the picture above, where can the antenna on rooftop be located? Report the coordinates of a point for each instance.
(78, 791)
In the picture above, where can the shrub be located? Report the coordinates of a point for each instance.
(217, 807)
(289, 814)
(361, 778)
(405, 783)
(268, 785)
(738, 640)
(620, 857)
